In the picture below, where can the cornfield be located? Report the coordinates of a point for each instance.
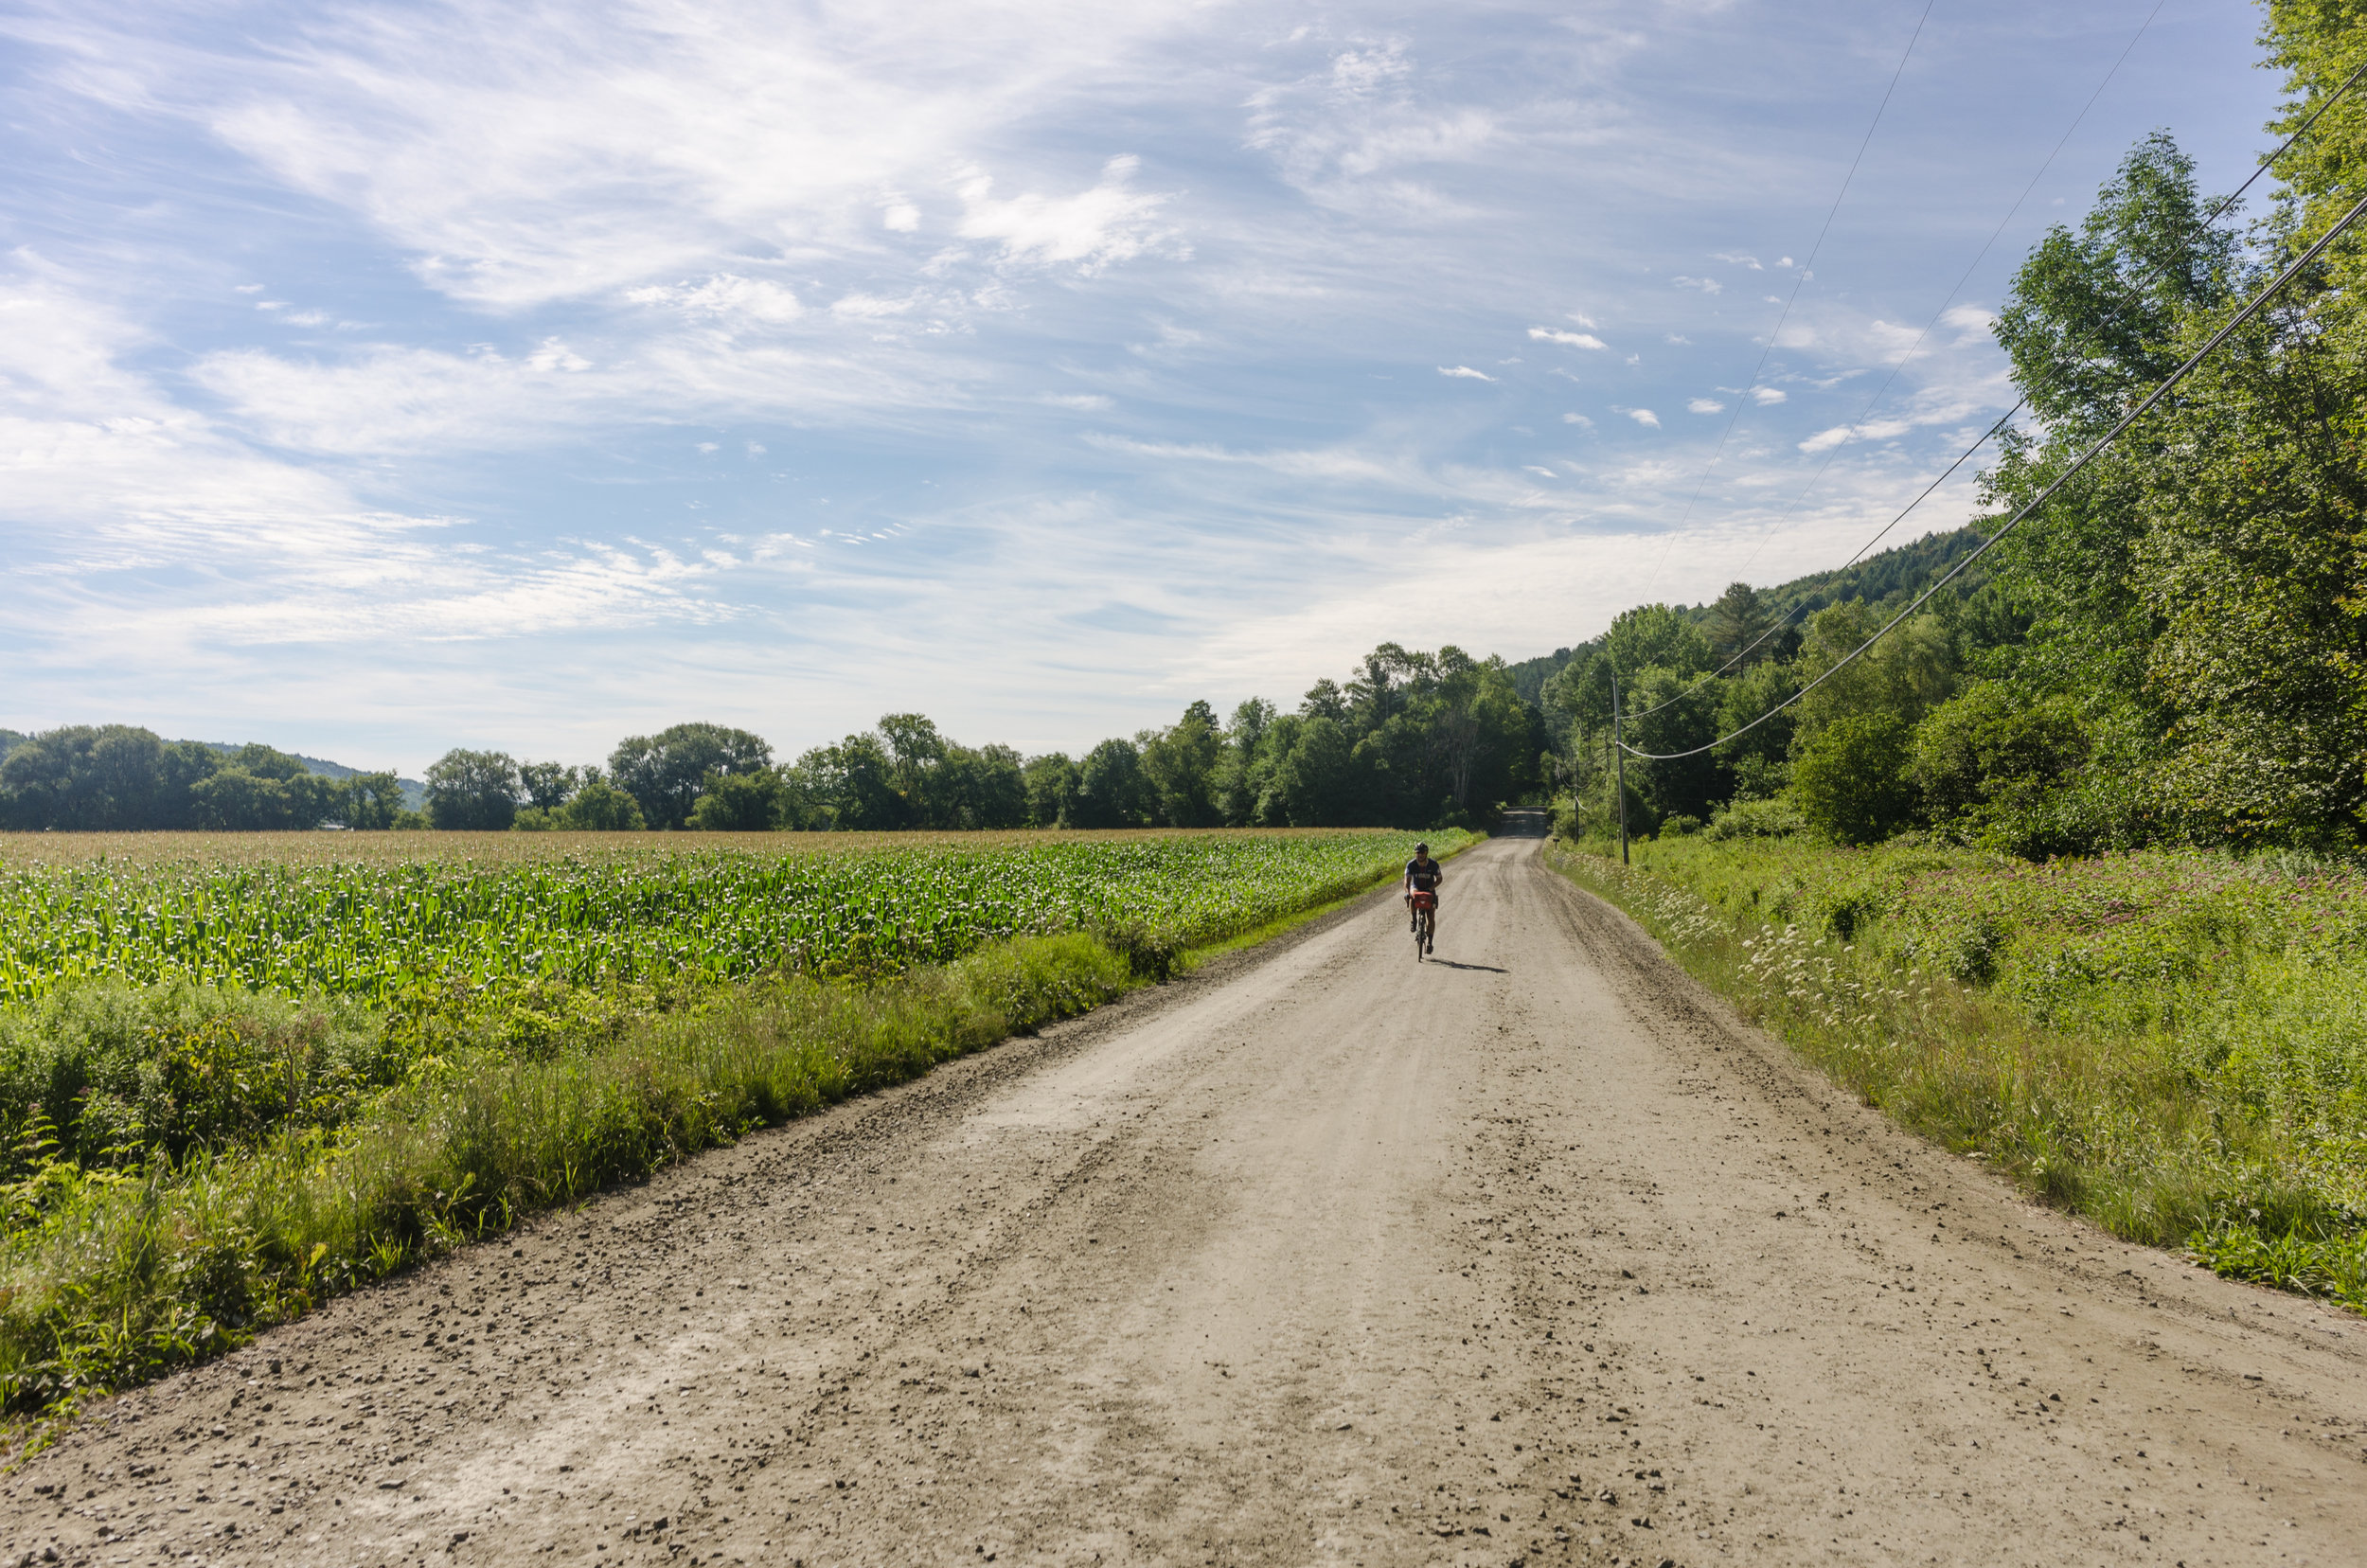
(243, 1072)
(358, 917)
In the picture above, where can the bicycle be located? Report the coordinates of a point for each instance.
(1425, 921)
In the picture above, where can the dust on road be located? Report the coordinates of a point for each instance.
(1532, 1253)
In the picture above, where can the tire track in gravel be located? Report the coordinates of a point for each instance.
(1532, 1255)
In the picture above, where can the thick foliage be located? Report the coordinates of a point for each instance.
(664, 773)
(2205, 584)
(116, 778)
(2176, 647)
(1851, 781)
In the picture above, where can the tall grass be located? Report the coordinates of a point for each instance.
(113, 1275)
(2173, 1044)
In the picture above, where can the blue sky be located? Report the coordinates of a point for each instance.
(383, 378)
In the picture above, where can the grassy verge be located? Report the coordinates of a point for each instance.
(113, 1275)
(2173, 1044)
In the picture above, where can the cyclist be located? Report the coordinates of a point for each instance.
(1423, 875)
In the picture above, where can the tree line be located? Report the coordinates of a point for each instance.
(118, 778)
(1410, 737)
(2172, 650)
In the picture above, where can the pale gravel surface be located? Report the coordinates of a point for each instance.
(1533, 1255)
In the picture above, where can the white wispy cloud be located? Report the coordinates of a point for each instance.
(559, 154)
(1352, 133)
(871, 307)
(1707, 285)
(724, 294)
(1705, 406)
(1108, 223)
(912, 269)
(1973, 323)
(129, 482)
(1568, 340)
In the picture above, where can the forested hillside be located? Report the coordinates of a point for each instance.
(1879, 578)
(2174, 650)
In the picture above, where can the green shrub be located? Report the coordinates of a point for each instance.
(1761, 777)
(1850, 781)
(1996, 764)
(1776, 818)
(1987, 747)
(1594, 813)
(599, 807)
(738, 803)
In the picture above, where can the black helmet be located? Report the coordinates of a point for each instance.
(1421, 848)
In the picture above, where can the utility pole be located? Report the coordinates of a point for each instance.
(1619, 744)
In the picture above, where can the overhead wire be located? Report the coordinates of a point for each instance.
(1882, 391)
(2291, 272)
(2218, 211)
(1970, 267)
(1800, 281)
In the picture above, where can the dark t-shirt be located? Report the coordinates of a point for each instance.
(1423, 874)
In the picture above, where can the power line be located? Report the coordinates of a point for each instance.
(2224, 205)
(1970, 267)
(1882, 391)
(1921, 496)
(2065, 477)
(1800, 281)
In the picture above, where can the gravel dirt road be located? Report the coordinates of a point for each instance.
(1530, 1255)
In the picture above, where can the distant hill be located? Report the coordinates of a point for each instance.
(1530, 675)
(1884, 577)
(1909, 569)
(414, 792)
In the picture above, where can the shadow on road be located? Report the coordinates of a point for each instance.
(1450, 963)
